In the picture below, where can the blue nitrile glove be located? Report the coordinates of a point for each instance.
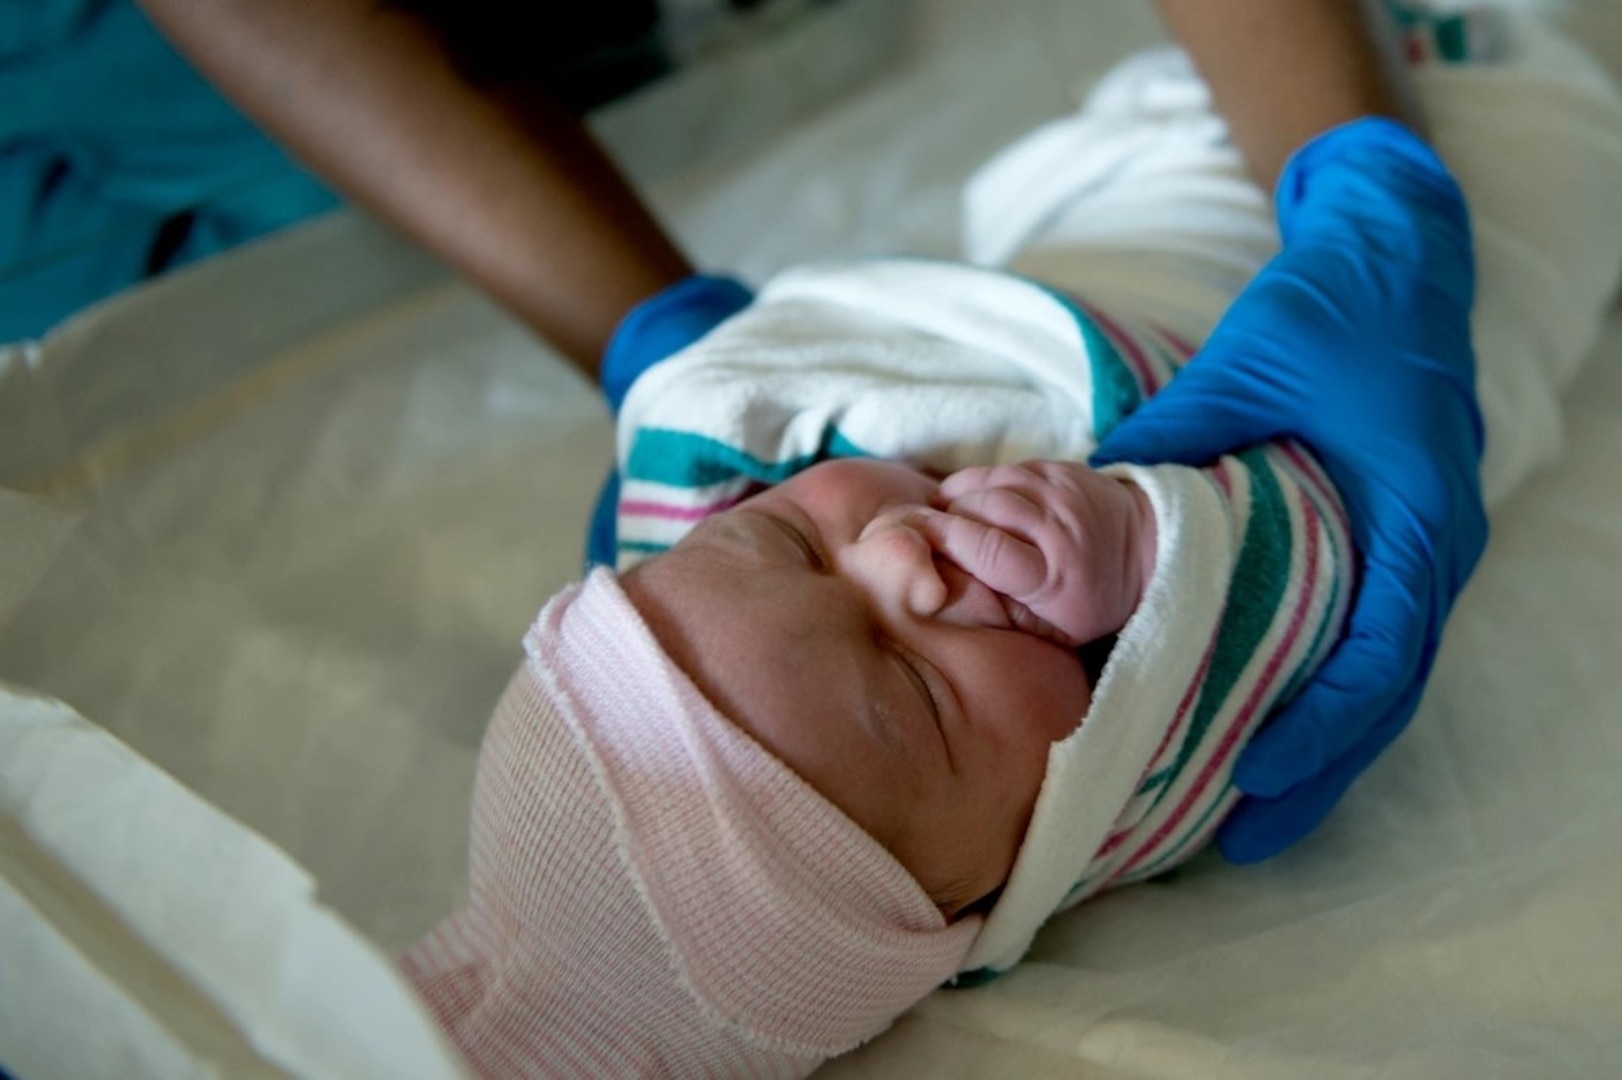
(1354, 339)
(660, 326)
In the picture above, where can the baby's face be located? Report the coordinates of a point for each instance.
(819, 620)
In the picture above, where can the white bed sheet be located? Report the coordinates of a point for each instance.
(313, 493)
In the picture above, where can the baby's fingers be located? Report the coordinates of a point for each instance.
(1021, 511)
(997, 559)
(965, 480)
(1025, 476)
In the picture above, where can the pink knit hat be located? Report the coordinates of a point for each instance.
(652, 892)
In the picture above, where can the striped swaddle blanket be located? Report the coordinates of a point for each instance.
(946, 365)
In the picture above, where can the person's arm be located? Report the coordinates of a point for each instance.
(1283, 71)
(1354, 339)
(509, 189)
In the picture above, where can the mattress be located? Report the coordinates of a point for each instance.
(278, 522)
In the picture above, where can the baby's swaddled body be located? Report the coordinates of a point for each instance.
(945, 366)
(653, 892)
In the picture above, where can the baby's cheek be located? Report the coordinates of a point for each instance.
(1035, 692)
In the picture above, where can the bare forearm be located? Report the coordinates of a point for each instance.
(1282, 71)
(512, 191)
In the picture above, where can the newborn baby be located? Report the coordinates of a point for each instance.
(924, 654)
(833, 744)
(764, 790)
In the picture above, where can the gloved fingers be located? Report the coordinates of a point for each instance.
(1374, 171)
(1384, 656)
(998, 559)
(1193, 421)
(664, 324)
(1259, 828)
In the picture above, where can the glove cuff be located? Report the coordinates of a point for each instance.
(1374, 185)
(664, 324)
(1379, 151)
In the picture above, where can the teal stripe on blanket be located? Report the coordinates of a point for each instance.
(1308, 669)
(642, 547)
(1174, 852)
(1115, 389)
(685, 459)
(1456, 37)
(1453, 38)
(1260, 577)
(1156, 779)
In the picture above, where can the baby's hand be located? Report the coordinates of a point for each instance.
(1069, 550)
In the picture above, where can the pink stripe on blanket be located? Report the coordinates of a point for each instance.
(1180, 343)
(1312, 470)
(1230, 737)
(1125, 342)
(1176, 349)
(1184, 708)
(1220, 472)
(670, 512)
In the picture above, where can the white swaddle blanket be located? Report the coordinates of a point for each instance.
(1140, 206)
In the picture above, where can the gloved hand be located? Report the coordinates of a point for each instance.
(1067, 549)
(1354, 339)
(664, 324)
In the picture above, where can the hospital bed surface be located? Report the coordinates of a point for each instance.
(290, 512)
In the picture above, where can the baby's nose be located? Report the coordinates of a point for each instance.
(894, 563)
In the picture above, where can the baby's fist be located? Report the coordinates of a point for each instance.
(1068, 549)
